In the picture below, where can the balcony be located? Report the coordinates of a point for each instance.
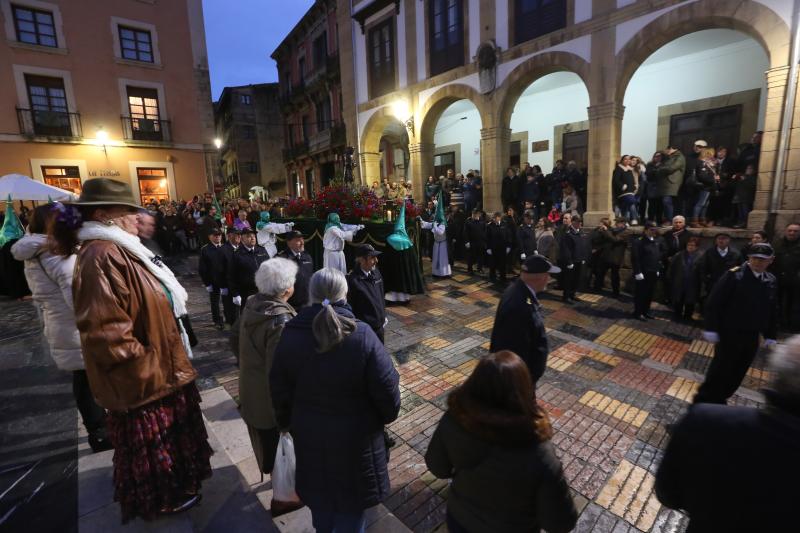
(58, 125)
(327, 139)
(146, 129)
(297, 150)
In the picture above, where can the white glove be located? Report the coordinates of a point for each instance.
(361, 226)
(385, 320)
(625, 187)
(223, 292)
(522, 256)
(711, 336)
(290, 224)
(237, 300)
(209, 288)
(570, 266)
(769, 343)
(466, 245)
(639, 277)
(508, 249)
(658, 274)
(488, 251)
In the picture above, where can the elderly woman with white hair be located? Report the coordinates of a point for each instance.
(334, 385)
(260, 327)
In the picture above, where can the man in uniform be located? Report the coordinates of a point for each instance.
(646, 255)
(246, 260)
(574, 252)
(214, 273)
(296, 251)
(518, 323)
(475, 240)
(718, 260)
(498, 246)
(365, 290)
(742, 305)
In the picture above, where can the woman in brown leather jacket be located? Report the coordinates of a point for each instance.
(136, 352)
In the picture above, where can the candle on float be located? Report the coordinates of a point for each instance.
(389, 215)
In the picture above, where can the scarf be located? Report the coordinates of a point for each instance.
(131, 244)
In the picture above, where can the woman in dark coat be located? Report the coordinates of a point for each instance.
(334, 387)
(494, 443)
(684, 279)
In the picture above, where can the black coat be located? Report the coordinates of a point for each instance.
(675, 241)
(242, 274)
(645, 255)
(336, 405)
(741, 303)
(475, 233)
(712, 265)
(519, 327)
(526, 238)
(502, 488)
(529, 191)
(498, 237)
(213, 266)
(509, 189)
(365, 294)
(305, 269)
(684, 279)
(733, 468)
(575, 246)
(622, 182)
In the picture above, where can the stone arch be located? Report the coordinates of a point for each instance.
(373, 130)
(746, 16)
(531, 70)
(440, 100)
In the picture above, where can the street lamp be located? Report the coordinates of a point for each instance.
(102, 138)
(218, 142)
(402, 111)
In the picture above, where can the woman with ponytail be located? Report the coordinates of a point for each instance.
(334, 387)
(128, 305)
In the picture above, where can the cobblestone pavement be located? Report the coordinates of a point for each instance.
(611, 387)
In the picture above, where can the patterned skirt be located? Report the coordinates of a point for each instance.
(161, 453)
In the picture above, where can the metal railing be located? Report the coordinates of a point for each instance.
(146, 129)
(61, 124)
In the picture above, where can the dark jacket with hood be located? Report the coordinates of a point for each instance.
(504, 478)
(336, 404)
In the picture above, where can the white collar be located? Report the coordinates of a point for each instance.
(723, 252)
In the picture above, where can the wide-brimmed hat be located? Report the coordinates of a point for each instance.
(366, 250)
(105, 191)
(538, 264)
(763, 250)
(293, 234)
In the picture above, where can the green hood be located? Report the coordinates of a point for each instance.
(333, 220)
(399, 239)
(264, 220)
(12, 229)
(439, 218)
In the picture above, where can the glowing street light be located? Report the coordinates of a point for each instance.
(218, 142)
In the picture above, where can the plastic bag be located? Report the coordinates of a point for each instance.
(284, 497)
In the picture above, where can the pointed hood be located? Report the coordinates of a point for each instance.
(215, 203)
(333, 220)
(399, 239)
(439, 218)
(264, 220)
(12, 229)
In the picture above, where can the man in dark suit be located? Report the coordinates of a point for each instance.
(233, 240)
(214, 273)
(295, 251)
(646, 255)
(475, 240)
(365, 290)
(725, 466)
(717, 260)
(518, 323)
(242, 275)
(498, 246)
(574, 252)
(742, 305)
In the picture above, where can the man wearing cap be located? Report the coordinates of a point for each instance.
(365, 290)
(518, 323)
(646, 261)
(296, 251)
(574, 251)
(742, 305)
(718, 260)
(233, 240)
(246, 260)
(213, 272)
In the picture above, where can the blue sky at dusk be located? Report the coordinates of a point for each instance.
(241, 35)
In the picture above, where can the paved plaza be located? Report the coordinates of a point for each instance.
(612, 386)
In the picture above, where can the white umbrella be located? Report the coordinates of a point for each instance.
(21, 187)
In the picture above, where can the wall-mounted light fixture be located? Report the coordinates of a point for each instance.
(218, 142)
(102, 138)
(402, 111)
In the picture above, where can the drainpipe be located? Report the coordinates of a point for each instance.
(786, 123)
(355, 91)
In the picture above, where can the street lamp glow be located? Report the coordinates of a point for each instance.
(101, 136)
(401, 110)
(218, 142)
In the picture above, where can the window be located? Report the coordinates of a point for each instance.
(152, 184)
(534, 18)
(251, 167)
(301, 65)
(245, 99)
(575, 147)
(381, 58)
(249, 132)
(306, 132)
(446, 24)
(145, 123)
(48, 100)
(323, 114)
(444, 162)
(67, 178)
(34, 26)
(320, 50)
(135, 44)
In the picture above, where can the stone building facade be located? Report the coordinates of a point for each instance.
(249, 127)
(107, 88)
(308, 63)
(412, 59)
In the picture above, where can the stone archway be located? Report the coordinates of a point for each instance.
(369, 149)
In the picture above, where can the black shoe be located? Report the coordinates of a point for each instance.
(100, 444)
(649, 316)
(220, 325)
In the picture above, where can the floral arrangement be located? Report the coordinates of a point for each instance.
(298, 207)
(351, 203)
